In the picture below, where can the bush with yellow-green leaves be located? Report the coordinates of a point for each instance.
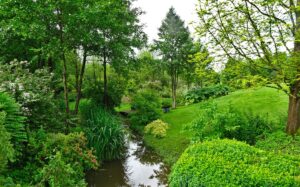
(157, 128)
(232, 163)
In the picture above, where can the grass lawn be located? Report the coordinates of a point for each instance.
(264, 101)
(123, 107)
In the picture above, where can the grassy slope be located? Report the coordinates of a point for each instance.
(261, 101)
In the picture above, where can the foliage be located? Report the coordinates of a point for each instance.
(166, 103)
(234, 33)
(41, 158)
(229, 123)
(174, 45)
(58, 173)
(6, 147)
(223, 162)
(199, 69)
(258, 32)
(197, 95)
(13, 121)
(72, 147)
(157, 128)
(279, 142)
(237, 74)
(7, 182)
(104, 132)
(34, 93)
(93, 85)
(262, 101)
(147, 107)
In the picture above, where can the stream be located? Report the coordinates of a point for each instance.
(141, 167)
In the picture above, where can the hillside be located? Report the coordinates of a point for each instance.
(259, 101)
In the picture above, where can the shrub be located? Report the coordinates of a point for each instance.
(7, 182)
(157, 128)
(280, 142)
(229, 123)
(72, 147)
(32, 90)
(105, 133)
(13, 121)
(93, 88)
(233, 163)
(42, 156)
(58, 173)
(166, 103)
(6, 148)
(197, 95)
(147, 108)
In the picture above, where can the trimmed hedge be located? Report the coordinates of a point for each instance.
(233, 163)
(197, 95)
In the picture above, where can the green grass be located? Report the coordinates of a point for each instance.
(72, 104)
(123, 107)
(264, 101)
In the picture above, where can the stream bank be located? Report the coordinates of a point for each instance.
(141, 167)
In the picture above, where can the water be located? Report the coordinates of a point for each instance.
(141, 168)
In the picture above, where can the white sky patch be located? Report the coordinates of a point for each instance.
(156, 11)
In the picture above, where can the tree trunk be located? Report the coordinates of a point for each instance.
(173, 77)
(65, 82)
(78, 97)
(293, 122)
(50, 64)
(105, 91)
(174, 96)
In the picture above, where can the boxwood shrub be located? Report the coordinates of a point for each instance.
(233, 163)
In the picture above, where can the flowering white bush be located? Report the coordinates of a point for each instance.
(32, 91)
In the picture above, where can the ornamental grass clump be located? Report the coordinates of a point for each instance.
(157, 128)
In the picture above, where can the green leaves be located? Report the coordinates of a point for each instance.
(104, 132)
(13, 122)
(7, 151)
(233, 163)
(157, 128)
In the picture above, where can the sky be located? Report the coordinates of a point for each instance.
(156, 11)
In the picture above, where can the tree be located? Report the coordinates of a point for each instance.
(118, 33)
(200, 67)
(44, 36)
(173, 45)
(265, 34)
(237, 74)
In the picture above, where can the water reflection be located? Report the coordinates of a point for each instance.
(141, 168)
